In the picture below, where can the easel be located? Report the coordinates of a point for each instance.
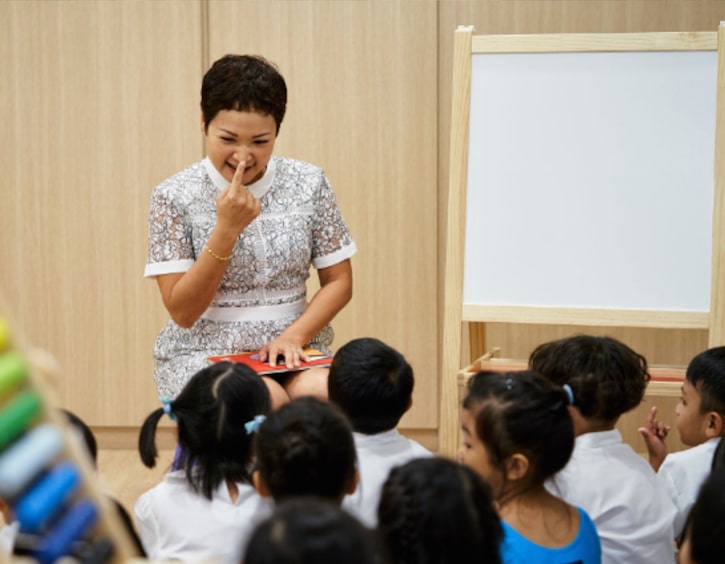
(457, 310)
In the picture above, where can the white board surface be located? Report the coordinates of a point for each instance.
(590, 180)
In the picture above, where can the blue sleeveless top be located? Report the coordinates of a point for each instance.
(584, 549)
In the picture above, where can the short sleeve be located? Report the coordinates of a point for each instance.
(148, 530)
(332, 242)
(170, 240)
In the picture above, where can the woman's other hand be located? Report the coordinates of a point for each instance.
(236, 206)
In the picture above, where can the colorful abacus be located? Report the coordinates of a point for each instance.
(45, 477)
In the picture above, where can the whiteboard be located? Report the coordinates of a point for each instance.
(590, 180)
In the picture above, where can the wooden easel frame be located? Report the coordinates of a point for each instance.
(455, 313)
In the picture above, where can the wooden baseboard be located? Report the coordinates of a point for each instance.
(126, 438)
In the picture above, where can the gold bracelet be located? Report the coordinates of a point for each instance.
(216, 256)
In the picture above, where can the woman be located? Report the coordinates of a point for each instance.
(232, 237)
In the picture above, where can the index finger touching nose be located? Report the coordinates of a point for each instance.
(238, 174)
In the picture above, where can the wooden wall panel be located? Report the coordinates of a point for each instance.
(362, 105)
(567, 16)
(100, 103)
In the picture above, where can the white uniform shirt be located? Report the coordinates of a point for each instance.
(621, 493)
(175, 522)
(682, 473)
(7, 537)
(377, 455)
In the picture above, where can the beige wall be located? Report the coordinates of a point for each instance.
(101, 104)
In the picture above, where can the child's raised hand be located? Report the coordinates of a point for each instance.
(654, 433)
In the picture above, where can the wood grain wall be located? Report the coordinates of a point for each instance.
(101, 104)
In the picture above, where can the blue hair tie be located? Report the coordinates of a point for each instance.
(166, 406)
(253, 425)
(569, 393)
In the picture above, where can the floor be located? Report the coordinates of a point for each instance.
(123, 475)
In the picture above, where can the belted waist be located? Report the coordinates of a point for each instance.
(255, 313)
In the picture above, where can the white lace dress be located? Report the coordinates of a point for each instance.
(263, 289)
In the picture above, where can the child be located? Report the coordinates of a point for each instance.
(305, 448)
(517, 433)
(310, 531)
(208, 509)
(700, 423)
(605, 476)
(703, 539)
(373, 385)
(434, 510)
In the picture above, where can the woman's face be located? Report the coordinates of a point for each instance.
(233, 136)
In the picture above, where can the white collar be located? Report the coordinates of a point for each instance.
(258, 188)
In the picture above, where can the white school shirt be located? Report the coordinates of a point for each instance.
(620, 492)
(682, 473)
(377, 455)
(7, 538)
(175, 522)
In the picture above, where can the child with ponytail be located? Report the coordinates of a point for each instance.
(208, 508)
(517, 433)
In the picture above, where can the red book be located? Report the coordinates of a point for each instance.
(251, 359)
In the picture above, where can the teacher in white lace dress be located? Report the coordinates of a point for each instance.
(232, 238)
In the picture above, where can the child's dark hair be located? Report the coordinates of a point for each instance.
(705, 525)
(310, 531)
(607, 377)
(372, 383)
(434, 510)
(522, 412)
(305, 448)
(246, 83)
(211, 412)
(706, 372)
(89, 439)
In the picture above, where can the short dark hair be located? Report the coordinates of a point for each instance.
(211, 412)
(607, 377)
(434, 510)
(243, 83)
(372, 383)
(305, 448)
(310, 531)
(522, 412)
(706, 372)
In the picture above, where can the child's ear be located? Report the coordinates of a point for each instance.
(203, 124)
(260, 485)
(517, 466)
(715, 425)
(352, 482)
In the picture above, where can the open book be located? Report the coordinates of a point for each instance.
(251, 359)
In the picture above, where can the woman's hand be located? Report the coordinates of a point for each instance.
(236, 207)
(285, 350)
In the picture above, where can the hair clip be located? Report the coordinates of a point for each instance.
(569, 393)
(166, 406)
(253, 425)
(509, 383)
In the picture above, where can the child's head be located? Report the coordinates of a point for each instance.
(703, 540)
(517, 431)
(433, 510)
(310, 531)
(701, 410)
(606, 377)
(246, 83)
(211, 413)
(305, 448)
(372, 383)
